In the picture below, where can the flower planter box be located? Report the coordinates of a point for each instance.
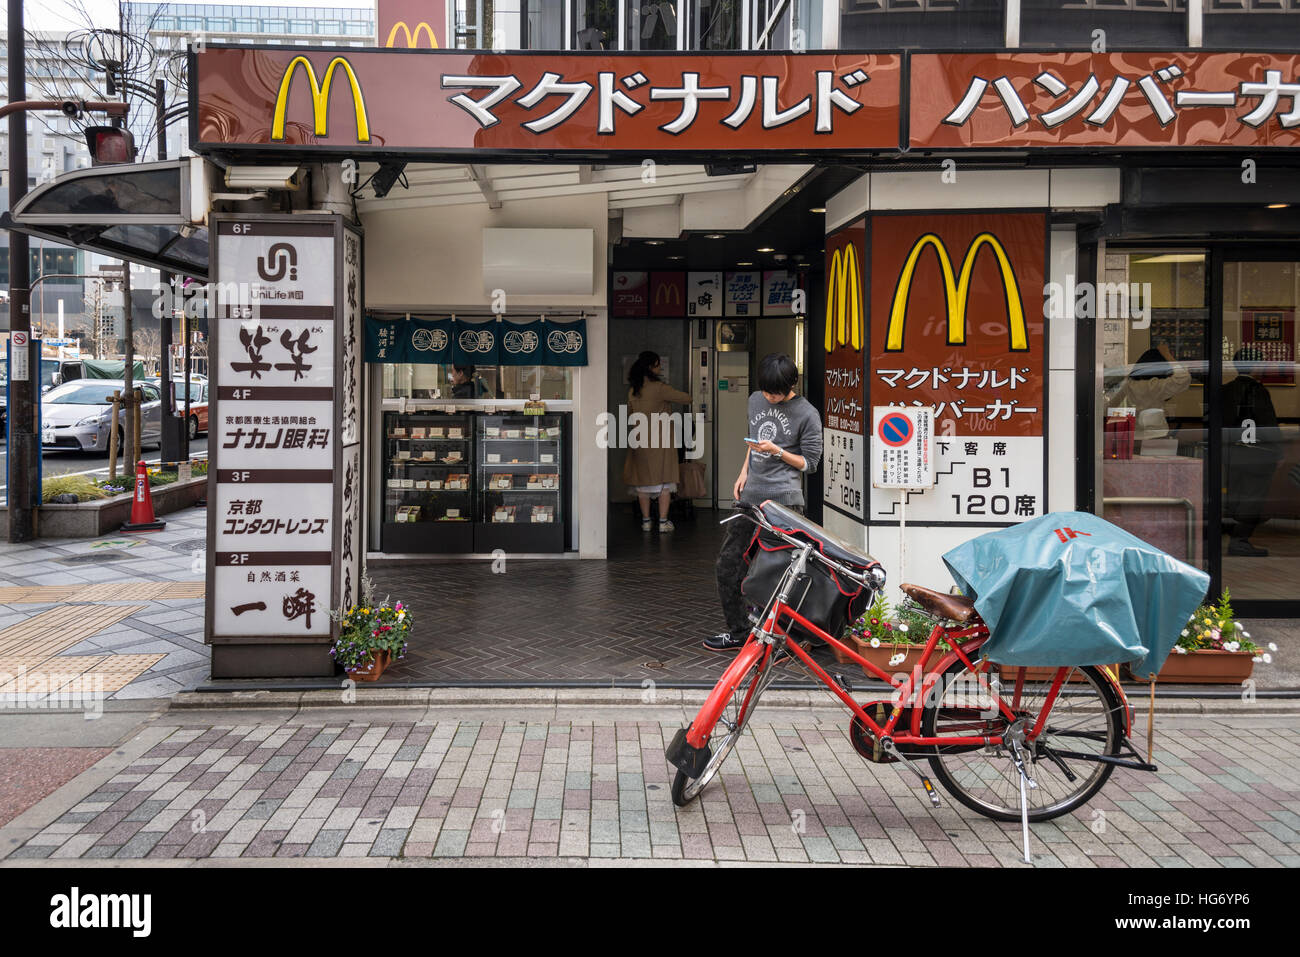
(1205, 667)
(107, 515)
(881, 656)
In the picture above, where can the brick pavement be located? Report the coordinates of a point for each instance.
(417, 784)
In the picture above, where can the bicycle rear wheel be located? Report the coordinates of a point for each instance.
(734, 717)
(1086, 718)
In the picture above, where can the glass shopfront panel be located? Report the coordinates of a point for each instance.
(1153, 314)
(1260, 430)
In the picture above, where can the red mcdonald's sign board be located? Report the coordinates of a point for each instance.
(409, 100)
(1122, 100)
(412, 24)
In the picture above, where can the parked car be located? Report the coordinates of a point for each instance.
(198, 401)
(76, 415)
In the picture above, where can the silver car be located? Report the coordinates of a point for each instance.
(75, 415)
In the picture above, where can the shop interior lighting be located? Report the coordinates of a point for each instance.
(817, 209)
(1278, 205)
(766, 249)
(654, 242)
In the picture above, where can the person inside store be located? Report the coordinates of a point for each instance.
(787, 433)
(464, 385)
(1252, 449)
(1156, 378)
(652, 472)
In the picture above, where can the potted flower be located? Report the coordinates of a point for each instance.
(371, 635)
(1214, 648)
(889, 640)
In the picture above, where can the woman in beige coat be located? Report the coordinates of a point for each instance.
(650, 471)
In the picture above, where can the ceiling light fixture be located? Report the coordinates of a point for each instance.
(654, 242)
(817, 209)
(1278, 205)
(766, 249)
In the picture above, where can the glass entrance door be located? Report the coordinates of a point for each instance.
(1259, 430)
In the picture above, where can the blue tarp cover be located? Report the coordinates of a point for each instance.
(1070, 588)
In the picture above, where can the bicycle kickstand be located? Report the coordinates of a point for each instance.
(887, 745)
(1025, 780)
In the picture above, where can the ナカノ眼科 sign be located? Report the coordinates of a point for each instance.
(351, 99)
(957, 326)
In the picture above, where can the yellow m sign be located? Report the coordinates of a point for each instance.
(844, 317)
(320, 98)
(412, 39)
(956, 292)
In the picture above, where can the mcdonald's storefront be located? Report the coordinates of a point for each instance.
(1045, 283)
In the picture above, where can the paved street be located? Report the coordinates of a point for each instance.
(573, 783)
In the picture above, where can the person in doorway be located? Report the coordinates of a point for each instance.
(652, 472)
(788, 430)
(1252, 444)
(1150, 388)
(463, 383)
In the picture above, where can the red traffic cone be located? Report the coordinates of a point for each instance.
(142, 517)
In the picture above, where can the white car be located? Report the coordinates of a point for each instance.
(75, 416)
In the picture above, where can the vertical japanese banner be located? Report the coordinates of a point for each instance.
(957, 324)
(843, 434)
(284, 426)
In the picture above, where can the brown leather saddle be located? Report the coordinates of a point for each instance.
(956, 608)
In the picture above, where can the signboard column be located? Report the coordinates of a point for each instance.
(843, 435)
(284, 486)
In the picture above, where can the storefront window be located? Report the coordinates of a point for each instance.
(595, 25)
(1152, 321)
(417, 381)
(1261, 430)
(650, 25)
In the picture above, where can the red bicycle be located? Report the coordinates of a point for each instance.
(1011, 743)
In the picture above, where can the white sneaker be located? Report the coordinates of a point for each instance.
(666, 526)
(645, 524)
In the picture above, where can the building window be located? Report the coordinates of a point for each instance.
(1125, 24)
(925, 24)
(1251, 24)
(301, 26)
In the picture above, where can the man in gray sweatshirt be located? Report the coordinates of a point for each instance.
(788, 430)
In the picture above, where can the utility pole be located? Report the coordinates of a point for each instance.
(23, 450)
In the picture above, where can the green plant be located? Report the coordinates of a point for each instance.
(1213, 626)
(370, 627)
(77, 485)
(874, 627)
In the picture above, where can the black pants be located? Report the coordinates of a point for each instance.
(731, 569)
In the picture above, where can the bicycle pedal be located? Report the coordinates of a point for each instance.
(843, 682)
(929, 789)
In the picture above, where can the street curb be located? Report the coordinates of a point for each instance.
(612, 697)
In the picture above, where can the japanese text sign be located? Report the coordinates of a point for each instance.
(843, 436)
(444, 101)
(902, 447)
(1104, 99)
(957, 326)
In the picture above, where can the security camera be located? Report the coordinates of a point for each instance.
(70, 109)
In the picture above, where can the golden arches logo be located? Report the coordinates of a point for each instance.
(844, 314)
(668, 294)
(320, 98)
(412, 39)
(956, 292)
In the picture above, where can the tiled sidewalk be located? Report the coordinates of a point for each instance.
(1228, 794)
(163, 637)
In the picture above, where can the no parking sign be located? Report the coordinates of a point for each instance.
(902, 447)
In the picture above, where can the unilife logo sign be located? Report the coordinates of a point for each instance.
(320, 98)
(956, 292)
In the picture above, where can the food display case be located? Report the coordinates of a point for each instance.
(522, 482)
(468, 483)
(429, 495)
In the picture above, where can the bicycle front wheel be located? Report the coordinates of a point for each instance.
(1087, 718)
(734, 717)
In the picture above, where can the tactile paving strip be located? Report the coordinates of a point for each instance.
(58, 628)
(106, 591)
